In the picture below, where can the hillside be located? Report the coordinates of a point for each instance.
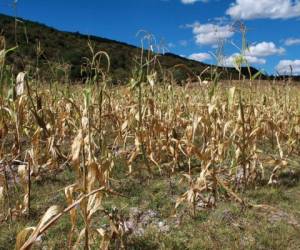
(58, 47)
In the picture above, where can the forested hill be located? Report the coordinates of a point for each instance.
(58, 49)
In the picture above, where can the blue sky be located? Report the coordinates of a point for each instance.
(191, 28)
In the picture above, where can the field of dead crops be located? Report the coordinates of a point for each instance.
(92, 166)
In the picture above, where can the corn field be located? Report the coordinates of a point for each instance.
(219, 140)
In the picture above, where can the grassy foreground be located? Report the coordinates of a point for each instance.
(225, 227)
(159, 167)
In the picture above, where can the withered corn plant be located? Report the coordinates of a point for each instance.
(89, 156)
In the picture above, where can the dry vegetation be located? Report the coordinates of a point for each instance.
(76, 158)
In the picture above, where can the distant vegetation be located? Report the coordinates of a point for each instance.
(61, 51)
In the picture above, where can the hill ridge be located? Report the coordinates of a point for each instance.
(71, 47)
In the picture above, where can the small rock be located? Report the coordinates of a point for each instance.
(163, 227)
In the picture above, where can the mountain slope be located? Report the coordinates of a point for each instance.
(71, 48)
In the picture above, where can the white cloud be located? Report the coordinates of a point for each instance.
(255, 53)
(284, 67)
(193, 1)
(264, 49)
(274, 9)
(229, 61)
(200, 57)
(255, 60)
(292, 41)
(211, 34)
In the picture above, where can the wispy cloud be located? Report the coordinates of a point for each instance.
(183, 43)
(273, 9)
(193, 1)
(171, 45)
(292, 41)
